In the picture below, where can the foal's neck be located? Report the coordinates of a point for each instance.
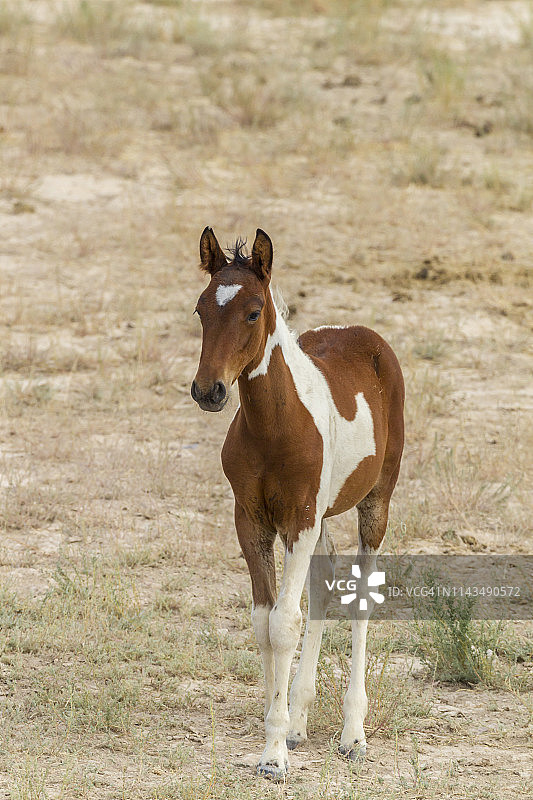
(266, 386)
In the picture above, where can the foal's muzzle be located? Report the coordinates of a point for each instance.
(214, 399)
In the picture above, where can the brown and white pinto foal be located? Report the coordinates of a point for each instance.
(318, 431)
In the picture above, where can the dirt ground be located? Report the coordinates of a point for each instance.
(387, 148)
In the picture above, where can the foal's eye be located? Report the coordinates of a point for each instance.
(254, 316)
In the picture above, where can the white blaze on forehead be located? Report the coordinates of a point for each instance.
(227, 293)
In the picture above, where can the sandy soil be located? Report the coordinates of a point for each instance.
(393, 173)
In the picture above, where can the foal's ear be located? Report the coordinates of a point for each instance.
(262, 255)
(211, 256)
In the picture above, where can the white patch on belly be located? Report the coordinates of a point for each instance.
(226, 293)
(354, 441)
(346, 442)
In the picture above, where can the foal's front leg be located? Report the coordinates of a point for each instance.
(257, 545)
(284, 627)
(303, 689)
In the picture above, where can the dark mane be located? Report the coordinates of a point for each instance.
(238, 253)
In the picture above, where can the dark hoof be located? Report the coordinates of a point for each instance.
(294, 740)
(272, 772)
(353, 752)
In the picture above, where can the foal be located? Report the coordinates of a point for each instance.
(318, 431)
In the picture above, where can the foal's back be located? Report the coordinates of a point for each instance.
(353, 357)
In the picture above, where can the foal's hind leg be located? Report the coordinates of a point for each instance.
(303, 689)
(373, 515)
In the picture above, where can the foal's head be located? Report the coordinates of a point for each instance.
(236, 316)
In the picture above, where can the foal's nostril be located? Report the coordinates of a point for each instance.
(215, 396)
(218, 392)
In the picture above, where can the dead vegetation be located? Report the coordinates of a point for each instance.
(386, 147)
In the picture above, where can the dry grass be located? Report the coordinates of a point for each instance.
(109, 26)
(390, 161)
(394, 705)
(442, 76)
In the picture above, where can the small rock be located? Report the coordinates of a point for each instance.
(450, 536)
(401, 297)
(21, 207)
(472, 542)
(484, 130)
(352, 80)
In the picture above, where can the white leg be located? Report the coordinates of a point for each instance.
(284, 629)
(260, 622)
(353, 742)
(303, 688)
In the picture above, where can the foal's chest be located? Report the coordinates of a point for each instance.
(276, 483)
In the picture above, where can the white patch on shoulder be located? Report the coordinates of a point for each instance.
(226, 293)
(346, 442)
